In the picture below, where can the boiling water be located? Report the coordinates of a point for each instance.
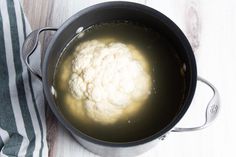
(168, 84)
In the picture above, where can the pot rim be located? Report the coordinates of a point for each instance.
(168, 23)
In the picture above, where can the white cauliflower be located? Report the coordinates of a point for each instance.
(108, 79)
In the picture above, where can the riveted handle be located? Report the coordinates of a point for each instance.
(29, 46)
(212, 109)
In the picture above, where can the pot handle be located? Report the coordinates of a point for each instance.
(212, 109)
(29, 46)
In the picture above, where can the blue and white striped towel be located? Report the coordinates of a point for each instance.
(22, 109)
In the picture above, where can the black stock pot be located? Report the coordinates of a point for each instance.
(106, 12)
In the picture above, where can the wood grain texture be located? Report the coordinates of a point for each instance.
(210, 28)
(193, 24)
(37, 12)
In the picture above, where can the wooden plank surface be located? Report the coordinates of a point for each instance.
(210, 28)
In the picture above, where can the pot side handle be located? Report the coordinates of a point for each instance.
(212, 109)
(29, 46)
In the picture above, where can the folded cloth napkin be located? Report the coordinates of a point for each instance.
(22, 109)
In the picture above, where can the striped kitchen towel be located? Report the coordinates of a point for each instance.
(22, 109)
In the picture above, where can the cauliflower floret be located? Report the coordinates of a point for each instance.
(108, 78)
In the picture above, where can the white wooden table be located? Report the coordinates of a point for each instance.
(211, 29)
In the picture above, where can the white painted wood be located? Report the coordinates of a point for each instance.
(210, 28)
(215, 58)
